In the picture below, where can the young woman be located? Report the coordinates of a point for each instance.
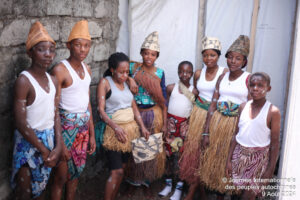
(151, 102)
(204, 81)
(231, 90)
(118, 110)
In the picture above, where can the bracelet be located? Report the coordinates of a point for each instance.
(205, 134)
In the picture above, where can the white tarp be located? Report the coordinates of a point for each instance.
(176, 22)
(123, 39)
(226, 20)
(272, 45)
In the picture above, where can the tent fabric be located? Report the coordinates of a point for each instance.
(226, 20)
(176, 22)
(272, 45)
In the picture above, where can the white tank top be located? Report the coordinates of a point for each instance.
(254, 132)
(119, 99)
(180, 105)
(40, 114)
(235, 91)
(75, 98)
(206, 88)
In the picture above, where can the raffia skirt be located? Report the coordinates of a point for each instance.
(125, 119)
(212, 171)
(152, 169)
(191, 158)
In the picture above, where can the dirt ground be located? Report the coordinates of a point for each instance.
(93, 189)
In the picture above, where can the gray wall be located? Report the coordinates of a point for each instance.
(58, 16)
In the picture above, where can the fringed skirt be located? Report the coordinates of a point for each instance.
(152, 169)
(212, 171)
(125, 119)
(191, 156)
(248, 166)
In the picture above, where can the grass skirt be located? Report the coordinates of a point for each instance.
(152, 169)
(212, 172)
(125, 119)
(111, 142)
(191, 156)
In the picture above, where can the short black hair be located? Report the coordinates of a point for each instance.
(113, 62)
(264, 75)
(185, 62)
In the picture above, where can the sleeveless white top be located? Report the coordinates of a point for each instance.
(206, 88)
(235, 91)
(254, 132)
(40, 114)
(180, 105)
(119, 99)
(75, 98)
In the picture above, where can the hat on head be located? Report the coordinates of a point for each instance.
(37, 34)
(211, 43)
(80, 30)
(240, 45)
(151, 42)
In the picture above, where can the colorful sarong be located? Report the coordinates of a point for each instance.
(248, 164)
(25, 153)
(75, 132)
(222, 127)
(177, 130)
(190, 160)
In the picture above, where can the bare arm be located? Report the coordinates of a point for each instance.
(211, 110)
(274, 125)
(138, 119)
(103, 88)
(59, 71)
(233, 144)
(92, 141)
(55, 153)
(22, 90)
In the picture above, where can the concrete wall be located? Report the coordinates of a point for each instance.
(58, 16)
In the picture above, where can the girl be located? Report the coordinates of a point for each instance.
(118, 110)
(151, 101)
(231, 90)
(254, 148)
(204, 81)
(181, 99)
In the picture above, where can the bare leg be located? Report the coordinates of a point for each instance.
(248, 195)
(23, 188)
(113, 184)
(60, 178)
(220, 197)
(71, 187)
(191, 191)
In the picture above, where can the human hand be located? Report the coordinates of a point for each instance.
(52, 159)
(121, 134)
(146, 133)
(205, 142)
(164, 131)
(92, 145)
(45, 154)
(133, 86)
(228, 169)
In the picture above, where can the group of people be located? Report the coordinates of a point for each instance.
(221, 126)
